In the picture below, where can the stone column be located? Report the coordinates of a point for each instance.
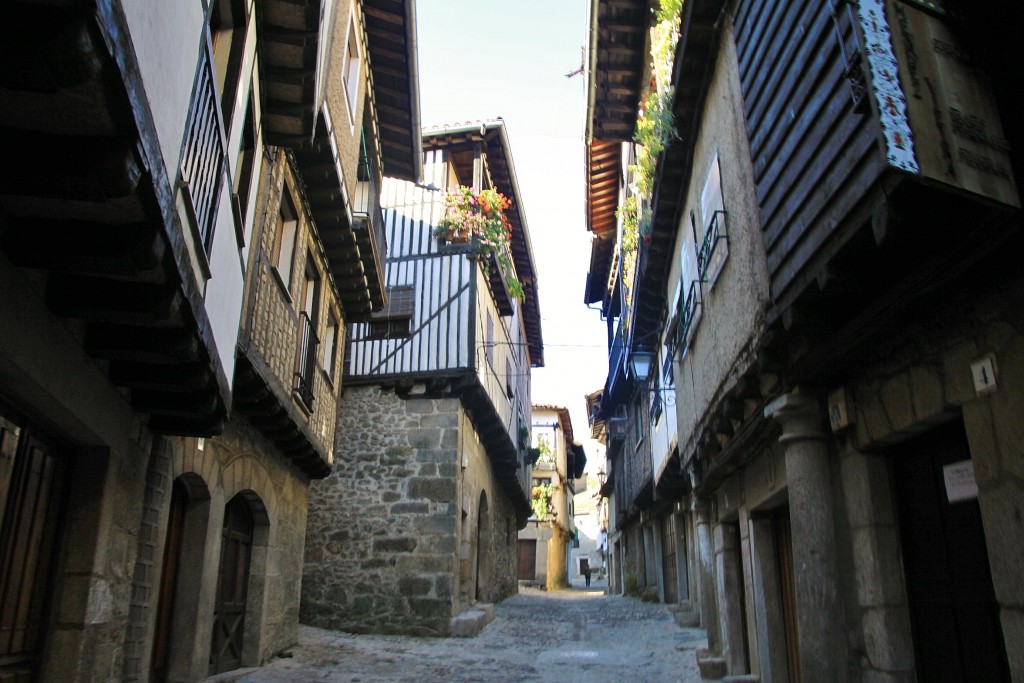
(729, 574)
(820, 631)
(708, 593)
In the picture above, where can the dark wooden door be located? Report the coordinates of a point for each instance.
(787, 581)
(31, 479)
(232, 587)
(527, 559)
(953, 610)
(668, 562)
(169, 582)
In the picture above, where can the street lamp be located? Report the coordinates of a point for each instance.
(640, 362)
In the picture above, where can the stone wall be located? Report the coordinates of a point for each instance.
(381, 534)
(271, 322)
(391, 542)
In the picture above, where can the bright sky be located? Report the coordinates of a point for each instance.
(481, 59)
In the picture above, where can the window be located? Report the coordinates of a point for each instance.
(688, 302)
(490, 339)
(306, 356)
(330, 345)
(350, 68)
(712, 238)
(227, 35)
(245, 166)
(283, 251)
(395, 321)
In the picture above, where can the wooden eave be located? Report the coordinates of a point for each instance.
(88, 207)
(499, 161)
(266, 405)
(618, 54)
(391, 44)
(603, 162)
(288, 34)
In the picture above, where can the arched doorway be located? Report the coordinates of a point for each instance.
(181, 571)
(483, 544)
(232, 587)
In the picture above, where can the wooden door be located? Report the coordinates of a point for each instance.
(31, 482)
(787, 579)
(232, 587)
(527, 559)
(668, 561)
(168, 583)
(953, 611)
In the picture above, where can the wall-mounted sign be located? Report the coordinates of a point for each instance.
(957, 137)
(960, 483)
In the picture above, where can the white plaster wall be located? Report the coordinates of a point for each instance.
(166, 37)
(225, 288)
(734, 308)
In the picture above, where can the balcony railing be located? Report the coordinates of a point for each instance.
(202, 160)
(366, 202)
(305, 362)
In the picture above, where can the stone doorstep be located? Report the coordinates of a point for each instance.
(711, 668)
(231, 676)
(470, 622)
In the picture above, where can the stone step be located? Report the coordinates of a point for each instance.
(470, 622)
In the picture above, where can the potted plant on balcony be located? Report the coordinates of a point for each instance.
(478, 218)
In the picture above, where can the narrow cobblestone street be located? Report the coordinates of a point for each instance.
(568, 636)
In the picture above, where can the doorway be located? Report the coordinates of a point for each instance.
(483, 556)
(168, 582)
(527, 559)
(232, 587)
(32, 473)
(953, 610)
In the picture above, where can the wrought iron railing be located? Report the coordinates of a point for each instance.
(711, 256)
(305, 362)
(367, 199)
(202, 160)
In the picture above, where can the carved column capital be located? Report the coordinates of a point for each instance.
(799, 415)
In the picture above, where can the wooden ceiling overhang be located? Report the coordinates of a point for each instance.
(86, 205)
(617, 60)
(391, 44)
(697, 42)
(493, 136)
(604, 170)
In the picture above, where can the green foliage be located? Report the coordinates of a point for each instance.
(655, 125)
(541, 501)
(632, 585)
(480, 216)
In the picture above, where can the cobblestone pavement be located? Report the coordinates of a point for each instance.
(570, 636)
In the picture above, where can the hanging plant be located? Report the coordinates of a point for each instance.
(541, 501)
(655, 125)
(478, 218)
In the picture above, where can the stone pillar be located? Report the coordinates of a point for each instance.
(729, 574)
(706, 557)
(820, 630)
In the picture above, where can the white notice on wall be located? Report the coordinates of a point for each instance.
(960, 484)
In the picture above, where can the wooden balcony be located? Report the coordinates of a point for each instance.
(88, 209)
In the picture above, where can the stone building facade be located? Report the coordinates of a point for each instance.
(162, 405)
(847, 377)
(409, 529)
(418, 519)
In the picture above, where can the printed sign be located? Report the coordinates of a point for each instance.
(960, 484)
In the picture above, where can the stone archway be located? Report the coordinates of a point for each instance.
(483, 555)
(180, 578)
(240, 584)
